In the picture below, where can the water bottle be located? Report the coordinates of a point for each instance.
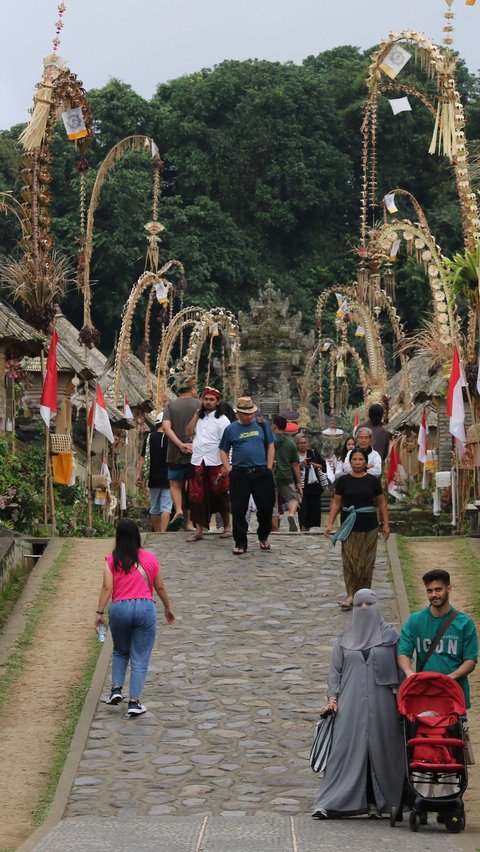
(102, 632)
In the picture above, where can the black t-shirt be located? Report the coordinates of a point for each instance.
(360, 491)
(158, 474)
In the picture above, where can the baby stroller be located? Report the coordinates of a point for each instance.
(433, 709)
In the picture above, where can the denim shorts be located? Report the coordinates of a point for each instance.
(180, 472)
(160, 501)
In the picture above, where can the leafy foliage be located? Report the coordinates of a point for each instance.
(21, 495)
(261, 180)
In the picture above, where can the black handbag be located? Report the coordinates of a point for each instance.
(322, 742)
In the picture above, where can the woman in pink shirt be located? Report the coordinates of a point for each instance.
(130, 575)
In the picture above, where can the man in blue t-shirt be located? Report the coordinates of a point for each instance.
(253, 452)
(456, 653)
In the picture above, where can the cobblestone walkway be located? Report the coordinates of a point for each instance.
(233, 689)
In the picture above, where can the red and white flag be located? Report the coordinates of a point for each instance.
(126, 409)
(48, 401)
(356, 423)
(98, 416)
(422, 438)
(395, 472)
(127, 412)
(455, 405)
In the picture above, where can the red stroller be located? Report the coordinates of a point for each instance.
(433, 709)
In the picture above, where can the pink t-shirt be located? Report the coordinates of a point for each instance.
(132, 585)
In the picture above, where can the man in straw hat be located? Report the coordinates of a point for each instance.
(253, 452)
(177, 414)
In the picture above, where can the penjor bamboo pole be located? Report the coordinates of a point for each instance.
(472, 412)
(47, 451)
(89, 465)
(45, 478)
(50, 489)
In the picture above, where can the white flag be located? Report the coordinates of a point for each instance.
(127, 411)
(422, 438)
(161, 292)
(400, 105)
(396, 59)
(389, 200)
(394, 249)
(74, 123)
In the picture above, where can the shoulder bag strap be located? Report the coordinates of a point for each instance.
(145, 577)
(437, 637)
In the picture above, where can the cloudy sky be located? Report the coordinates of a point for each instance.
(146, 42)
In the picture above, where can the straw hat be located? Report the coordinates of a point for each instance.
(245, 405)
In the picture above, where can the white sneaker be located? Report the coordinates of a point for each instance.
(135, 708)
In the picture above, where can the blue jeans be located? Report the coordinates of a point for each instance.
(133, 624)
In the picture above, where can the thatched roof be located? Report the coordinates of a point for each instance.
(423, 388)
(17, 335)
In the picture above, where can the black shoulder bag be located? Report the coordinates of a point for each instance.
(437, 637)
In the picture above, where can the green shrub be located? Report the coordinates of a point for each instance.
(22, 483)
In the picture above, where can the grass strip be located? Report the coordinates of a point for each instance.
(16, 661)
(409, 571)
(64, 738)
(11, 591)
(469, 568)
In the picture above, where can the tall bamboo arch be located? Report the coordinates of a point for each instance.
(359, 310)
(122, 355)
(308, 384)
(449, 129)
(201, 323)
(130, 143)
(418, 238)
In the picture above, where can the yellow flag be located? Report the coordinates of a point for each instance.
(470, 2)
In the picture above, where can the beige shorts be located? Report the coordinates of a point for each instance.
(288, 492)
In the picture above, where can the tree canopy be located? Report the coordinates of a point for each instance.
(261, 180)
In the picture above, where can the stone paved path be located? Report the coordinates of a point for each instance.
(234, 687)
(220, 761)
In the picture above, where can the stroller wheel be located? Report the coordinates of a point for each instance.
(454, 823)
(393, 816)
(414, 821)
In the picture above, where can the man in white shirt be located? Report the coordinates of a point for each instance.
(208, 487)
(363, 440)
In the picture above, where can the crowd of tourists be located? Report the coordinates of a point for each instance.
(204, 459)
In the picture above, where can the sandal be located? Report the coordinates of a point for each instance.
(265, 546)
(226, 534)
(194, 538)
(346, 605)
(238, 551)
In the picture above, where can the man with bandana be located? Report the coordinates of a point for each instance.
(208, 487)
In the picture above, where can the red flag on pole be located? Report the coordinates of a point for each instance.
(126, 408)
(422, 438)
(48, 401)
(356, 423)
(98, 416)
(455, 405)
(395, 475)
(392, 470)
